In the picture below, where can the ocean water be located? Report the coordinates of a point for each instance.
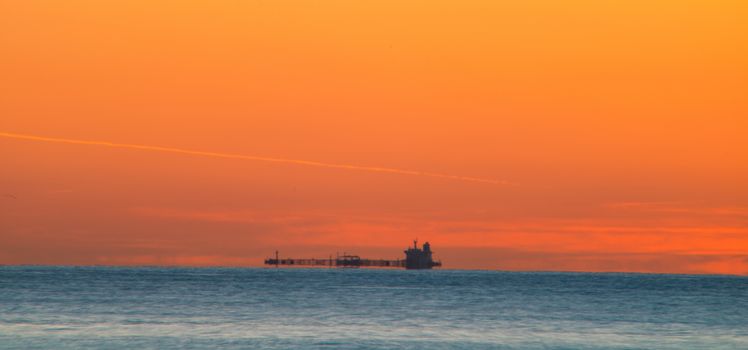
(269, 308)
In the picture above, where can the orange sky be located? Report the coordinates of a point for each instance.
(612, 134)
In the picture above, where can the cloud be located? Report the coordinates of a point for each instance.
(353, 229)
(244, 236)
(680, 208)
(534, 260)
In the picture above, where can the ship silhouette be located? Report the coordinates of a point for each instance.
(415, 259)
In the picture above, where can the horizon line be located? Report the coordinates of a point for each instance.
(183, 266)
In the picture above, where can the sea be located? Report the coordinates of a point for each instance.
(341, 308)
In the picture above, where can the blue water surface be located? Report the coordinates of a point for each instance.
(269, 308)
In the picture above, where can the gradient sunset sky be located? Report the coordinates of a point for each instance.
(565, 135)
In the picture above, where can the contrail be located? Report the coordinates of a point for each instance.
(255, 158)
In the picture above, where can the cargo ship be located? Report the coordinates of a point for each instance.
(415, 259)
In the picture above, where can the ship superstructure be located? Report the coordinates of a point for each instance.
(416, 259)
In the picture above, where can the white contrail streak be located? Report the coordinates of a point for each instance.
(255, 158)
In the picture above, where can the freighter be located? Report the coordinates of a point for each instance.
(415, 259)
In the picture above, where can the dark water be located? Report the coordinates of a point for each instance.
(102, 307)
